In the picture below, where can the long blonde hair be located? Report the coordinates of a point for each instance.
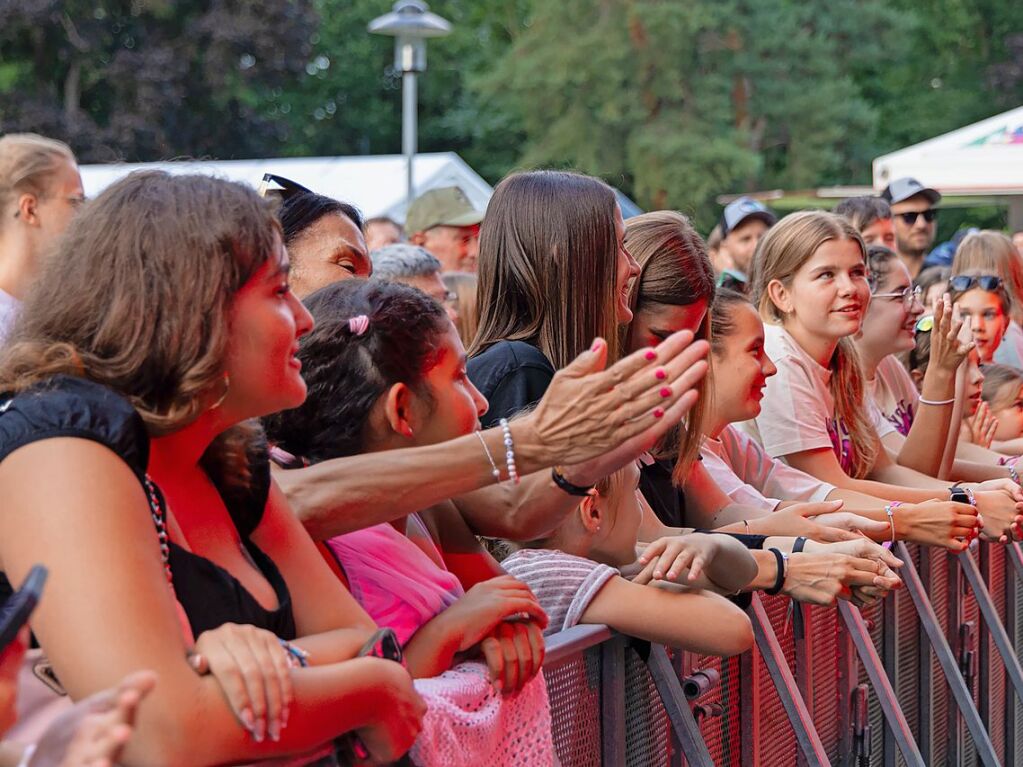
(991, 252)
(28, 163)
(675, 271)
(780, 254)
(547, 265)
(138, 297)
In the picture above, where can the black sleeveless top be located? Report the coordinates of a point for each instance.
(67, 406)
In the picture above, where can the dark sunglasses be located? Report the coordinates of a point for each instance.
(963, 282)
(910, 218)
(285, 187)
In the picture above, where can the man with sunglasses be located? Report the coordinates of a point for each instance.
(914, 217)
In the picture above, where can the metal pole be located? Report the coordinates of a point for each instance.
(408, 131)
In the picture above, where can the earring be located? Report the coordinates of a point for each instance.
(227, 387)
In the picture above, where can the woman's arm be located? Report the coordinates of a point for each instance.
(330, 624)
(75, 507)
(697, 621)
(463, 554)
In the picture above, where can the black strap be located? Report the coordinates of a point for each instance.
(780, 579)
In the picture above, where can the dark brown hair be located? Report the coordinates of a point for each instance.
(547, 265)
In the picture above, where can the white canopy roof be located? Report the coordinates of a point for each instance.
(373, 183)
(985, 158)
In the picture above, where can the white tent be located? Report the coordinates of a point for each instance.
(983, 159)
(374, 184)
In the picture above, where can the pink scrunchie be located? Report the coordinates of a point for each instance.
(358, 324)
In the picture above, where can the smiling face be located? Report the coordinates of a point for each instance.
(626, 270)
(740, 368)
(267, 320)
(452, 406)
(828, 294)
(888, 325)
(1007, 407)
(331, 249)
(982, 311)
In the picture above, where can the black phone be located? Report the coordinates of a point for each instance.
(16, 611)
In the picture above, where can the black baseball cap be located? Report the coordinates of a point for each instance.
(903, 188)
(738, 211)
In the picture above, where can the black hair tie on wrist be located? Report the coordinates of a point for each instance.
(779, 581)
(568, 487)
(799, 544)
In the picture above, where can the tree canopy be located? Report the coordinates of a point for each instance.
(672, 102)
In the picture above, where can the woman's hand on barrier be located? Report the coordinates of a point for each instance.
(862, 548)
(487, 604)
(938, 523)
(514, 653)
(393, 707)
(93, 732)
(798, 520)
(948, 350)
(714, 561)
(1001, 516)
(852, 523)
(588, 411)
(253, 670)
(820, 579)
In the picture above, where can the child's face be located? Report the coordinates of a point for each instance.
(1009, 412)
(615, 544)
(982, 311)
(741, 368)
(829, 293)
(890, 321)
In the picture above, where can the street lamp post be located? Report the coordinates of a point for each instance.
(410, 23)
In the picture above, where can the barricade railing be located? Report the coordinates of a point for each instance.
(931, 676)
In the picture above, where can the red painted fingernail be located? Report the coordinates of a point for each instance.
(665, 391)
(660, 374)
(651, 354)
(658, 413)
(596, 346)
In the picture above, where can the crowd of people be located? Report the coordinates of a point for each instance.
(314, 489)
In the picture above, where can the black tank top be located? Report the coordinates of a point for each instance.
(67, 406)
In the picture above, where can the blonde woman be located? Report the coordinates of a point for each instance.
(40, 189)
(811, 289)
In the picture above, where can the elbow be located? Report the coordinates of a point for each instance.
(737, 637)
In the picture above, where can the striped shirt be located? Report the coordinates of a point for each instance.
(563, 584)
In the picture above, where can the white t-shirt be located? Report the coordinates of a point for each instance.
(9, 307)
(798, 412)
(1010, 350)
(741, 468)
(894, 394)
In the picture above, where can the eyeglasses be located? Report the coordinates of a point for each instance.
(907, 295)
(924, 324)
(910, 217)
(285, 187)
(963, 282)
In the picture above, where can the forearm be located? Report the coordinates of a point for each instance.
(11, 754)
(1009, 446)
(335, 646)
(900, 476)
(525, 512)
(732, 568)
(972, 471)
(924, 447)
(431, 650)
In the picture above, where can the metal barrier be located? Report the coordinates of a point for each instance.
(931, 676)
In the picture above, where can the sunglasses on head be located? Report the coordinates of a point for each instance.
(925, 324)
(963, 282)
(910, 218)
(285, 187)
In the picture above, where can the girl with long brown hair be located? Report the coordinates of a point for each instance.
(810, 284)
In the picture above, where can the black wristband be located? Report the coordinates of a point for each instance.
(779, 581)
(568, 487)
(799, 544)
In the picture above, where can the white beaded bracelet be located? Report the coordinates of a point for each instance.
(923, 401)
(509, 448)
(889, 509)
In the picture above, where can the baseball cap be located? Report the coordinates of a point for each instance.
(447, 206)
(738, 211)
(903, 188)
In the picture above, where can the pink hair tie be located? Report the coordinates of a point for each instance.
(358, 324)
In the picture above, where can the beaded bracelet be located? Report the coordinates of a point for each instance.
(493, 466)
(889, 509)
(509, 446)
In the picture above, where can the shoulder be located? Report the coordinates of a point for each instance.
(505, 356)
(67, 406)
